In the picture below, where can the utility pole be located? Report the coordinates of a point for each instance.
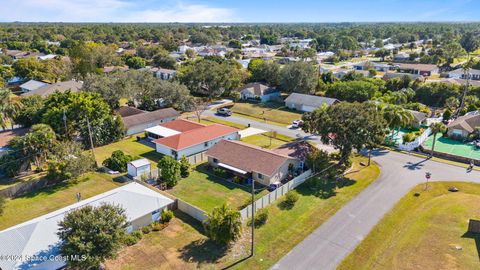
(253, 216)
(65, 122)
(91, 141)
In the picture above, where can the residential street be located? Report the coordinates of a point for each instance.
(294, 133)
(326, 247)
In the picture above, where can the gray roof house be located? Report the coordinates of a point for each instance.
(36, 239)
(459, 73)
(463, 126)
(32, 85)
(307, 103)
(48, 89)
(419, 118)
(258, 91)
(138, 122)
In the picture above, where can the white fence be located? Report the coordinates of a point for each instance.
(274, 195)
(191, 210)
(417, 142)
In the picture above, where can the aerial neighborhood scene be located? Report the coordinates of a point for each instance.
(202, 134)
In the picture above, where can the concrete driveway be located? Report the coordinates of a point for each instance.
(330, 243)
(250, 131)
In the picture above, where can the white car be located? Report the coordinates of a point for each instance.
(297, 124)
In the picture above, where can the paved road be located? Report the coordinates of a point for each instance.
(294, 133)
(329, 244)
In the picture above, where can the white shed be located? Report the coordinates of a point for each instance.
(138, 167)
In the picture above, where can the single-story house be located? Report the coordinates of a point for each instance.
(459, 73)
(258, 91)
(165, 74)
(463, 126)
(138, 168)
(418, 69)
(138, 122)
(46, 90)
(391, 75)
(249, 161)
(193, 139)
(307, 103)
(419, 119)
(37, 238)
(125, 111)
(401, 56)
(32, 85)
(372, 65)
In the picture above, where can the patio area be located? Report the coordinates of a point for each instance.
(453, 147)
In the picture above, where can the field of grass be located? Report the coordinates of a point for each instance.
(183, 246)
(274, 113)
(129, 146)
(425, 231)
(46, 200)
(10, 181)
(207, 191)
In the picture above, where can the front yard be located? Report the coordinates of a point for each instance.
(207, 191)
(425, 231)
(274, 113)
(182, 245)
(38, 203)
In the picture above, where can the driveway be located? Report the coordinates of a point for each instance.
(330, 243)
(294, 133)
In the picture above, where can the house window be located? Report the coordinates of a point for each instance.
(215, 160)
(156, 212)
(260, 176)
(205, 144)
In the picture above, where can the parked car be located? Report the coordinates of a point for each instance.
(224, 111)
(297, 124)
(274, 186)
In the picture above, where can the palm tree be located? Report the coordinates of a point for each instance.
(466, 71)
(9, 107)
(437, 127)
(397, 117)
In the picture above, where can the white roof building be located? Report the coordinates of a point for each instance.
(32, 85)
(38, 238)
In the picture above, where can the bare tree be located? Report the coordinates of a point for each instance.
(199, 106)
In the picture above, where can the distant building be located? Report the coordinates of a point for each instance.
(417, 69)
(459, 73)
(136, 121)
(463, 126)
(307, 103)
(165, 74)
(73, 86)
(258, 91)
(32, 85)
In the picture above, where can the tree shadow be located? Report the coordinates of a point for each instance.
(324, 188)
(203, 251)
(415, 166)
(476, 237)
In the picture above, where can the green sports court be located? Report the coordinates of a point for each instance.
(453, 147)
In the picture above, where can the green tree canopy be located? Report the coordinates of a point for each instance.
(223, 225)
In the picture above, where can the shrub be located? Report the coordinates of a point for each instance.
(261, 217)
(157, 226)
(291, 198)
(408, 137)
(237, 179)
(146, 229)
(133, 238)
(219, 172)
(223, 225)
(167, 215)
(169, 170)
(118, 161)
(184, 167)
(2, 204)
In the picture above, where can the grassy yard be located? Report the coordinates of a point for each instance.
(129, 146)
(6, 182)
(183, 246)
(207, 191)
(263, 140)
(46, 200)
(427, 231)
(274, 113)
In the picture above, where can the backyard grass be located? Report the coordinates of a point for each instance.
(129, 146)
(453, 147)
(207, 191)
(183, 245)
(427, 231)
(274, 113)
(6, 182)
(46, 200)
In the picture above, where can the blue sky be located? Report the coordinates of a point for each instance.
(239, 10)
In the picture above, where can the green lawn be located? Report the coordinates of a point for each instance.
(129, 146)
(263, 140)
(453, 147)
(424, 232)
(183, 246)
(274, 113)
(46, 200)
(10, 181)
(207, 191)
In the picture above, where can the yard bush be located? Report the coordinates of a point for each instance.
(291, 198)
(157, 226)
(185, 167)
(169, 170)
(146, 229)
(408, 137)
(133, 238)
(2, 204)
(261, 217)
(167, 215)
(223, 225)
(118, 161)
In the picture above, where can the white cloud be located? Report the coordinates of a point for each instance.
(111, 11)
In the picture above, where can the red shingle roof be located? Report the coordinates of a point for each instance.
(182, 125)
(249, 158)
(195, 136)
